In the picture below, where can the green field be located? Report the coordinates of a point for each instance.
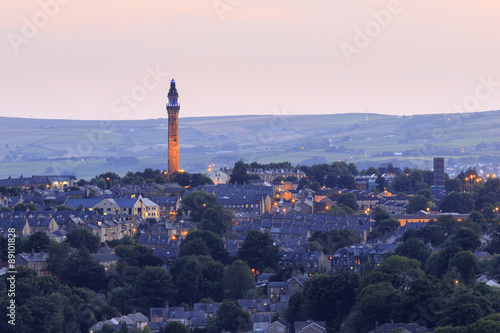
(83, 148)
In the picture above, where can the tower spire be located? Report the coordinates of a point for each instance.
(173, 108)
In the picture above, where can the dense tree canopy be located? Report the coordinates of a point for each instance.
(80, 238)
(259, 252)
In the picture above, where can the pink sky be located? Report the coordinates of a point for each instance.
(257, 57)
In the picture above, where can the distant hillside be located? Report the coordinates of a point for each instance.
(86, 148)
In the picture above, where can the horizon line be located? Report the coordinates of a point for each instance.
(260, 115)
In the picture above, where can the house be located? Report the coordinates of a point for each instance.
(140, 206)
(135, 320)
(364, 183)
(309, 262)
(36, 261)
(275, 289)
(279, 326)
(48, 182)
(294, 285)
(310, 326)
(269, 174)
(483, 255)
(20, 224)
(42, 224)
(168, 206)
(263, 278)
(260, 322)
(220, 176)
(106, 257)
(143, 207)
(194, 318)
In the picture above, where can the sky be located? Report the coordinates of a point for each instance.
(114, 59)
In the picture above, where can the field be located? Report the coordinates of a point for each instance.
(87, 148)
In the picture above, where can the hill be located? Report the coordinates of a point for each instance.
(86, 148)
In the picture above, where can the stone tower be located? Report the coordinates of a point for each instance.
(173, 108)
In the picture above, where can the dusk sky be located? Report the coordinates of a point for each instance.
(89, 59)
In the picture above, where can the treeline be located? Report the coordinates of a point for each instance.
(148, 176)
(437, 290)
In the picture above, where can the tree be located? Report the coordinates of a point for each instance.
(155, 287)
(200, 179)
(175, 327)
(453, 185)
(315, 186)
(447, 224)
(403, 183)
(349, 200)
(437, 265)
(124, 328)
(329, 297)
(337, 210)
(196, 247)
(419, 304)
(238, 280)
(258, 251)
(490, 323)
(467, 239)
(417, 203)
(212, 240)
(429, 233)
(454, 202)
(240, 175)
(489, 212)
(196, 203)
(197, 277)
(347, 181)
(59, 254)
(331, 180)
(372, 171)
(379, 215)
(374, 303)
(412, 248)
(181, 178)
(334, 239)
(463, 308)
(467, 266)
(384, 227)
(230, 317)
(402, 270)
(81, 270)
(218, 220)
(37, 242)
(82, 238)
(381, 183)
(24, 207)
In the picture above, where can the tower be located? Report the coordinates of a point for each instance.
(173, 108)
(439, 171)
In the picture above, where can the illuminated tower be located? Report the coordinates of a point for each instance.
(173, 128)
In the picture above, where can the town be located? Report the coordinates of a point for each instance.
(262, 248)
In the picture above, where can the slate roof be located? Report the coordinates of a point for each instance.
(165, 200)
(87, 203)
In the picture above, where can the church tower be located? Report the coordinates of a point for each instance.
(173, 108)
